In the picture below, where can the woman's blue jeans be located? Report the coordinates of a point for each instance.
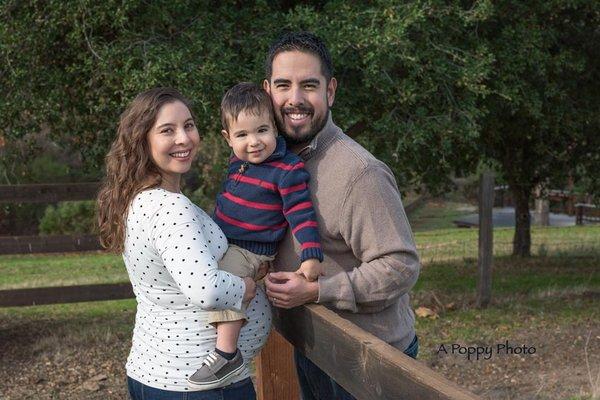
(241, 390)
(317, 385)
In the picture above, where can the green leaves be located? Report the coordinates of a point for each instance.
(437, 85)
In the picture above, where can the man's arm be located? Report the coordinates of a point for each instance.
(375, 227)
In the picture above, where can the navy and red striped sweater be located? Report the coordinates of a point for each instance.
(258, 202)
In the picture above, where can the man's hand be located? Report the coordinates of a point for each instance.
(311, 269)
(289, 289)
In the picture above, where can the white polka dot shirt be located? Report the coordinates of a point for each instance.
(171, 252)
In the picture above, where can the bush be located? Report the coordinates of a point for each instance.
(68, 218)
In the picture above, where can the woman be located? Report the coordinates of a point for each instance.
(170, 248)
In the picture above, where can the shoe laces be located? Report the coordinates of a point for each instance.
(211, 359)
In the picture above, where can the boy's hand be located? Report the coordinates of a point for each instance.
(311, 269)
(264, 267)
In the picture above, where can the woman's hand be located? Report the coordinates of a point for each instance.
(250, 291)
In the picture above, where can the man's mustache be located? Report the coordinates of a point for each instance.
(297, 110)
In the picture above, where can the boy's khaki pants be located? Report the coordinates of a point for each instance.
(242, 263)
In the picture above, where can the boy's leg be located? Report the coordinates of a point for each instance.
(228, 333)
(242, 263)
(225, 362)
(236, 262)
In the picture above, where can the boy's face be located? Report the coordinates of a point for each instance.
(253, 138)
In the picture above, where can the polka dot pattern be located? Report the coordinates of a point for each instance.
(171, 252)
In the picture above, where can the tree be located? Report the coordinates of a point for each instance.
(407, 73)
(542, 113)
(410, 77)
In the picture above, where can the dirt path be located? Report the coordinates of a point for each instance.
(557, 369)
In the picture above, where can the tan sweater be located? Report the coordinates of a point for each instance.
(371, 261)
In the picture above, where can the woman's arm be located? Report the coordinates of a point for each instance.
(177, 234)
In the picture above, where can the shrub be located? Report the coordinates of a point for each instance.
(68, 218)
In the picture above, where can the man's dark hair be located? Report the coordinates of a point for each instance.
(300, 41)
(247, 97)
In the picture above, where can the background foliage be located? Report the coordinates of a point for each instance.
(404, 70)
(433, 88)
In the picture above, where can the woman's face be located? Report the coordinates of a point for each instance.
(173, 140)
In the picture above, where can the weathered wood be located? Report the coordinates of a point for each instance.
(48, 244)
(409, 208)
(542, 212)
(65, 294)
(48, 192)
(363, 364)
(486, 239)
(586, 212)
(275, 371)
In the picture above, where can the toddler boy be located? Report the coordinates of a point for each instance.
(265, 191)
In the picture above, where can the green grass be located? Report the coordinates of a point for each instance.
(456, 243)
(441, 245)
(25, 271)
(438, 214)
(514, 275)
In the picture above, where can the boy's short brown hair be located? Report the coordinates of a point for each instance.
(247, 97)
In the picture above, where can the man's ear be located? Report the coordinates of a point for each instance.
(267, 86)
(331, 87)
(226, 136)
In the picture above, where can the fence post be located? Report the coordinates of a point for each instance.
(275, 370)
(486, 239)
(579, 217)
(542, 208)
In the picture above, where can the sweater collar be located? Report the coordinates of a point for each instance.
(279, 151)
(322, 141)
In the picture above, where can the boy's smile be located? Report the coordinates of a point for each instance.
(252, 137)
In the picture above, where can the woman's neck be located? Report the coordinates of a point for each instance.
(172, 183)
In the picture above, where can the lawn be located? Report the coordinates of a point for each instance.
(439, 245)
(24, 271)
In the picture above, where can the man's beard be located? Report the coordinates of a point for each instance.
(316, 125)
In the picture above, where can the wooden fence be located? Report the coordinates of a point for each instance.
(363, 364)
(587, 213)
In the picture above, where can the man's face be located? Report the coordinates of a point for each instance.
(301, 95)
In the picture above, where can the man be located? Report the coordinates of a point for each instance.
(370, 260)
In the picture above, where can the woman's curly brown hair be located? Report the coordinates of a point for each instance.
(129, 166)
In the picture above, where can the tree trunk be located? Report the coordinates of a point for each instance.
(522, 238)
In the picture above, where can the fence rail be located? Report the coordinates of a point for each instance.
(587, 213)
(363, 364)
(48, 192)
(64, 294)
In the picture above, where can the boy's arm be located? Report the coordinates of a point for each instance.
(299, 212)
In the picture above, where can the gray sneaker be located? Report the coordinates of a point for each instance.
(216, 371)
